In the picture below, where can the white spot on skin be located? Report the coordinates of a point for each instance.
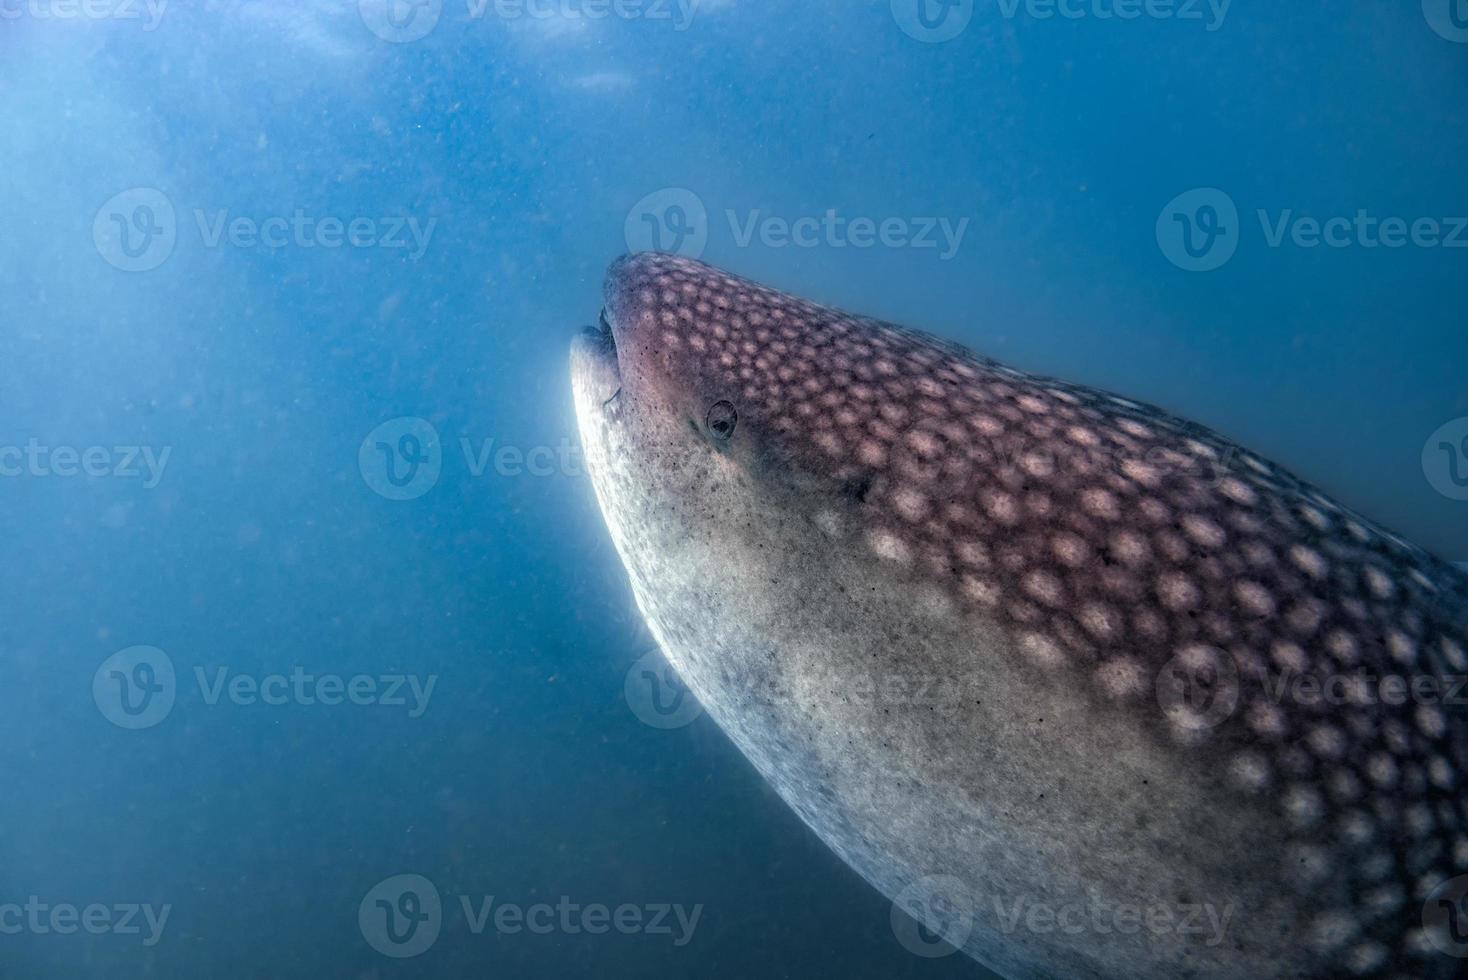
(1308, 863)
(1304, 806)
(1041, 649)
(1071, 549)
(1342, 646)
(1357, 829)
(1309, 561)
(1238, 491)
(1082, 436)
(1033, 405)
(924, 444)
(1100, 621)
(972, 553)
(1038, 465)
(1401, 647)
(829, 522)
(1045, 587)
(1131, 426)
(830, 443)
(1267, 719)
(910, 505)
(1377, 581)
(1254, 598)
(1203, 531)
(1381, 769)
(980, 590)
(1178, 592)
(1131, 548)
(934, 603)
(1250, 772)
(1453, 651)
(1142, 473)
(1304, 617)
(1333, 930)
(1121, 677)
(1345, 786)
(987, 425)
(1327, 741)
(889, 546)
(871, 453)
(1430, 721)
(1288, 656)
(1101, 503)
(1366, 958)
(1002, 507)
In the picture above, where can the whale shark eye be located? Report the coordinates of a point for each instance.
(721, 420)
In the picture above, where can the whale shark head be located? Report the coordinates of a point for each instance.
(802, 496)
(695, 398)
(708, 391)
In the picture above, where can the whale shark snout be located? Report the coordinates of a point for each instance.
(1039, 647)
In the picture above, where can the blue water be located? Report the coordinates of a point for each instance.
(186, 395)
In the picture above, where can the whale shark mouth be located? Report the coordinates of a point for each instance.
(594, 355)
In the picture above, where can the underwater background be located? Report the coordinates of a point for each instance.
(317, 655)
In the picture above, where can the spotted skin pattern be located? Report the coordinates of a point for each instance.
(1174, 575)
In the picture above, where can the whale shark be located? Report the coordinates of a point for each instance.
(1019, 650)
